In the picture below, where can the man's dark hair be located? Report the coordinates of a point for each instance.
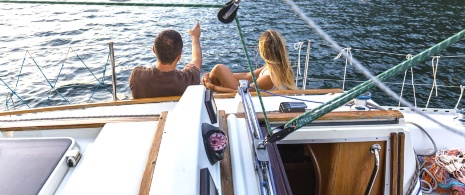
(168, 45)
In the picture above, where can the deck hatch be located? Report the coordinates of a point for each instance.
(26, 164)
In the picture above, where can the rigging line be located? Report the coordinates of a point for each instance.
(408, 57)
(48, 81)
(435, 70)
(307, 59)
(298, 46)
(17, 80)
(460, 97)
(382, 52)
(288, 97)
(389, 83)
(117, 4)
(100, 82)
(253, 75)
(63, 47)
(58, 76)
(300, 120)
(348, 53)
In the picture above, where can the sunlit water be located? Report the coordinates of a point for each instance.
(70, 40)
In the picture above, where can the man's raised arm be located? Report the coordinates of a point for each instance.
(196, 49)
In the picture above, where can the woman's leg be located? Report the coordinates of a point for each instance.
(222, 76)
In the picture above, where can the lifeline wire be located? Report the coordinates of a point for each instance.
(116, 4)
(308, 117)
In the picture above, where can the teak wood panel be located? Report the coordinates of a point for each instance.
(225, 164)
(146, 181)
(394, 163)
(346, 168)
(339, 115)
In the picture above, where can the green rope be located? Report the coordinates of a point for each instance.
(316, 113)
(114, 4)
(253, 75)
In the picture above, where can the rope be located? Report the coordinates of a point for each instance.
(59, 72)
(253, 75)
(348, 53)
(13, 92)
(389, 83)
(314, 114)
(298, 46)
(288, 97)
(460, 98)
(48, 81)
(434, 86)
(429, 136)
(116, 4)
(409, 56)
(103, 78)
(307, 59)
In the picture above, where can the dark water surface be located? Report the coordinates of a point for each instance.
(70, 40)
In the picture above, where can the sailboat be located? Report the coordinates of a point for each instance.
(238, 143)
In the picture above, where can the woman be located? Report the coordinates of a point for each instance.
(276, 74)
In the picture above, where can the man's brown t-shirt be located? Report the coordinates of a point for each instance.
(150, 82)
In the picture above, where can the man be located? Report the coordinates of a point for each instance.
(163, 79)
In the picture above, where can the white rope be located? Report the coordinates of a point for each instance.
(409, 56)
(460, 97)
(307, 59)
(349, 54)
(435, 70)
(298, 46)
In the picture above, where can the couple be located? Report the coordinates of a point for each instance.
(165, 80)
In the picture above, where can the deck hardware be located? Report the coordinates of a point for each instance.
(228, 13)
(279, 133)
(375, 148)
(460, 119)
(361, 102)
(72, 157)
(215, 142)
(261, 151)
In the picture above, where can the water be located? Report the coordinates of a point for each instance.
(70, 40)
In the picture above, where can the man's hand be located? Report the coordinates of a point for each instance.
(195, 32)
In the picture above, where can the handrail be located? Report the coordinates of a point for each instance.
(90, 105)
(375, 148)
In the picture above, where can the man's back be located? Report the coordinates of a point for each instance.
(150, 82)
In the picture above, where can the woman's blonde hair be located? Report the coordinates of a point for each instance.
(273, 51)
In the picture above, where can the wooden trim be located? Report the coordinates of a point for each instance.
(284, 92)
(400, 186)
(90, 105)
(340, 115)
(146, 182)
(159, 100)
(69, 124)
(394, 163)
(225, 164)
